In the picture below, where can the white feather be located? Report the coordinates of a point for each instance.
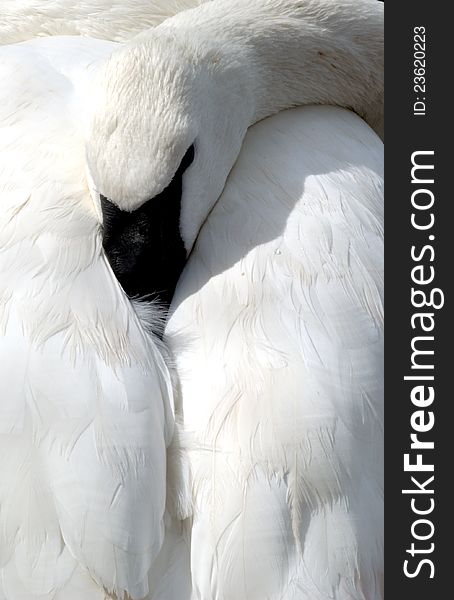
(116, 20)
(280, 308)
(276, 332)
(86, 411)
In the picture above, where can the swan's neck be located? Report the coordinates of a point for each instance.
(205, 75)
(298, 52)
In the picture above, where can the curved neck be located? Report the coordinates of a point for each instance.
(298, 52)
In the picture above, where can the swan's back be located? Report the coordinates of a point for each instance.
(277, 329)
(84, 411)
(116, 20)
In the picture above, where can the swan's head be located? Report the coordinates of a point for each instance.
(168, 122)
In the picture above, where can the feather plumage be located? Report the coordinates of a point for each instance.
(86, 411)
(116, 20)
(276, 333)
(280, 307)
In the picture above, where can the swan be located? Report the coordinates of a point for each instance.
(89, 409)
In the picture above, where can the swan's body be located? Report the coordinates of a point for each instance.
(116, 20)
(86, 395)
(277, 331)
(281, 295)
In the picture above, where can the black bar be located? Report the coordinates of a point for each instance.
(411, 128)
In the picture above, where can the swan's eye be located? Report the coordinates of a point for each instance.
(144, 247)
(187, 160)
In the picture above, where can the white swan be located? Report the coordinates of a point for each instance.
(96, 476)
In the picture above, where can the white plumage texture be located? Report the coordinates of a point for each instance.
(272, 486)
(278, 341)
(86, 412)
(116, 20)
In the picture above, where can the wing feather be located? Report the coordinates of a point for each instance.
(280, 310)
(85, 410)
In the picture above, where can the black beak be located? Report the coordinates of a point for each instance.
(144, 247)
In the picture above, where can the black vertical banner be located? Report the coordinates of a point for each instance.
(419, 328)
